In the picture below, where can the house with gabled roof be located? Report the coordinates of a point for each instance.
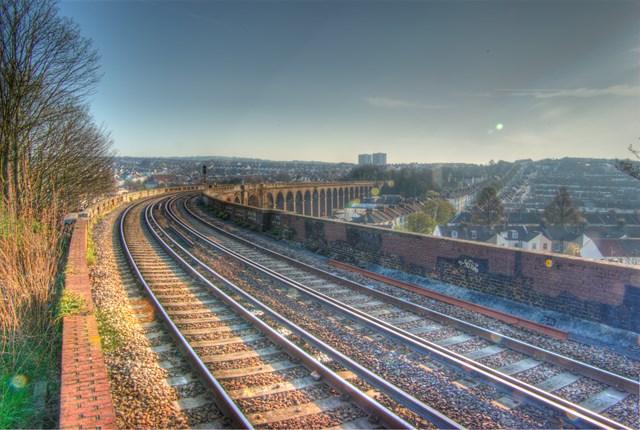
(524, 238)
(626, 251)
(562, 237)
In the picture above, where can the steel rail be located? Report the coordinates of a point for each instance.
(619, 382)
(570, 412)
(224, 402)
(386, 417)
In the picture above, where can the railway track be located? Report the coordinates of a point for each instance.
(258, 376)
(580, 392)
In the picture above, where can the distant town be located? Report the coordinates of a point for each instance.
(607, 200)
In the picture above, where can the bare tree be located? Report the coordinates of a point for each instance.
(627, 166)
(49, 146)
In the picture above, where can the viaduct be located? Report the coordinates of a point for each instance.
(602, 292)
(303, 198)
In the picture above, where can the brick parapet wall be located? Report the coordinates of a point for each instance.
(85, 398)
(603, 292)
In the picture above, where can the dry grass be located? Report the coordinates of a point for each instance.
(30, 253)
(29, 258)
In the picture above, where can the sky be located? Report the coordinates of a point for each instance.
(423, 81)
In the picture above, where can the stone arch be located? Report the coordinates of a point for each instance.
(314, 203)
(322, 204)
(253, 201)
(236, 200)
(290, 202)
(329, 203)
(299, 204)
(270, 202)
(307, 203)
(340, 198)
(280, 201)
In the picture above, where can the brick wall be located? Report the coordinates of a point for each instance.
(85, 399)
(602, 292)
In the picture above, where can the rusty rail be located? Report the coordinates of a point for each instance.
(502, 316)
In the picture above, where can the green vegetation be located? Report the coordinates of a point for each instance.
(244, 224)
(435, 211)
(91, 249)
(16, 406)
(419, 222)
(112, 332)
(31, 250)
(276, 232)
(222, 215)
(53, 159)
(70, 303)
(439, 210)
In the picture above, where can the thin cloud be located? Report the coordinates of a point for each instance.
(387, 103)
(615, 90)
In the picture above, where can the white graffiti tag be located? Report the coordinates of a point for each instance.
(469, 265)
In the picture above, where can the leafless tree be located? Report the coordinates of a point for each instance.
(627, 166)
(49, 146)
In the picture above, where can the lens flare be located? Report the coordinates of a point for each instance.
(499, 126)
(571, 415)
(375, 191)
(18, 382)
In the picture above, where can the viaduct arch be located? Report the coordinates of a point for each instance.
(318, 199)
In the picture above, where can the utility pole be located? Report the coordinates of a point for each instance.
(204, 175)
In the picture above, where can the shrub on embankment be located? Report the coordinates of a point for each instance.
(31, 248)
(54, 158)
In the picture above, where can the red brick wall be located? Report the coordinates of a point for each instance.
(600, 291)
(85, 398)
(603, 292)
(585, 279)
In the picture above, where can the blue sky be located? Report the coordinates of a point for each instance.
(423, 81)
